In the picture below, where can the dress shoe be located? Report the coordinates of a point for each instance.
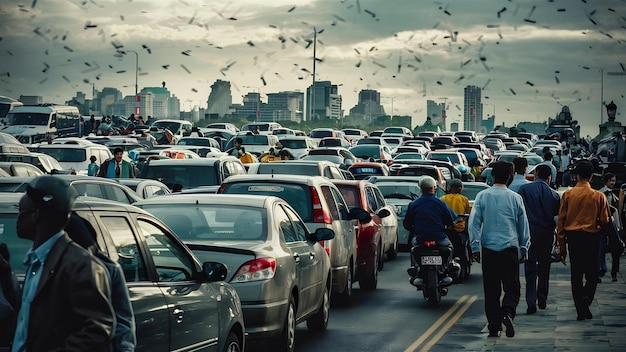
(580, 317)
(542, 304)
(614, 278)
(531, 310)
(495, 333)
(587, 313)
(507, 321)
(599, 280)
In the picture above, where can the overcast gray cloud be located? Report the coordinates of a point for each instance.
(530, 56)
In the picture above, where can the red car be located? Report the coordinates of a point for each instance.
(375, 238)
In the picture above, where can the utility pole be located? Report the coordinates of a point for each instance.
(312, 101)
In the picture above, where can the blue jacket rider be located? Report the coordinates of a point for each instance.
(428, 216)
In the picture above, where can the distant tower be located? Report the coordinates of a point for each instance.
(220, 99)
(473, 108)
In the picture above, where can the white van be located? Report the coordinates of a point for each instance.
(264, 127)
(74, 155)
(6, 104)
(39, 123)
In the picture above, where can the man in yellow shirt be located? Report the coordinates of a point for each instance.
(458, 232)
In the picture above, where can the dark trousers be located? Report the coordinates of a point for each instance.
(500, 272)
(583, 257)
(537, 268)
(459, 242)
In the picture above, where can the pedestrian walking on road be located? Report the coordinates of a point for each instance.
(582, 214)
(66, 297)
(542, 205)
(520, 164)
(498, 225)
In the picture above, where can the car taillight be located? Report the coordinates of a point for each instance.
(326, 245)
(319, 213)
(221, 189)
(430, 243)
(255, 270)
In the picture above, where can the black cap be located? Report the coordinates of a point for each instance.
(52, 192)
(583, 167)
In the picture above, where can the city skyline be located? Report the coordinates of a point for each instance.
(528, 57)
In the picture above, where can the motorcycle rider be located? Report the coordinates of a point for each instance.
(426, 219)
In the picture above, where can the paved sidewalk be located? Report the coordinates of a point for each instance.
(556, 327)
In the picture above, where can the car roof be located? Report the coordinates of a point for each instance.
(281, 178)
(197, 162)
(256, 201)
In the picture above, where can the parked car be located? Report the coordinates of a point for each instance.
(424, 170)
(299, 146)
(373, 152)
(298, 167)
(354, 134)
(380, 236)
(75, 156)
(145, 188)
(256, 144)
(18, 168)
(334, 142)
(320, 205)
(97, 187)
(337, 155)
(280, 271)
(365, 169)
(178, 302)
(199, 141)
(192, 173)
(224, 126)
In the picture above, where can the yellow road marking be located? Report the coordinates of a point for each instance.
(449, 324)
(436, 325)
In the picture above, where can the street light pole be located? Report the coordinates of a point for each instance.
(136, 80)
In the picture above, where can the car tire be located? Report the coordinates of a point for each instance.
(319, 321)
(392, 253)
(232, 343)
(345, 297)
(371, 280)
(286, 342)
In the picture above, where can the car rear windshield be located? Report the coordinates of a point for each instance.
(70, 155)
(254, 139)
(293, 143)
(392, 190)
(289, 168)
(418, 171)
(366, 170)
(322, 134)
(366, 151)
(298, 196)
(187, 175)
(213, 222)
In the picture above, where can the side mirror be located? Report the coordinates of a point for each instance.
(323, 234)
(383, 213)
(360, 214)
(214, 271)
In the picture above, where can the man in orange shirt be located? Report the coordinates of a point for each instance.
(582, 213)
(458, 233)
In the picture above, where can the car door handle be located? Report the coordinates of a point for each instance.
(178, 311)
(296, 257)
(312, 255)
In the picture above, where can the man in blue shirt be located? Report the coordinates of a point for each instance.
(499, 226)
(428, 216)
(542, 205)
(521, 164)
(66, 298)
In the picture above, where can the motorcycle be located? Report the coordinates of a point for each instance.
(430, 274)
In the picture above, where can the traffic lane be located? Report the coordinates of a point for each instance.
(391, 318)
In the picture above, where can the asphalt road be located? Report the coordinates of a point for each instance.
(394, 317)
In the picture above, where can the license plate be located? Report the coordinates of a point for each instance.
(431, 260)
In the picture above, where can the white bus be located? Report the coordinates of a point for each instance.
(6, 104)
(40, 123)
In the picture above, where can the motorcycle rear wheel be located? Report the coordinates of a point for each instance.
(431, 291)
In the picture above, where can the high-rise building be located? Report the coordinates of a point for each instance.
(472, 109)
(220, 99)
(368, 107)
(286, 106)
(160, 102)
(436, 112)
(323, 101)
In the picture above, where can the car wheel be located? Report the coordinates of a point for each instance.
(371, 281)
(232, 343)
(319, 321)
(344, 297)
(392, 253)
(286, 342)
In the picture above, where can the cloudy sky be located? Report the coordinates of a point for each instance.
(530, 57)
